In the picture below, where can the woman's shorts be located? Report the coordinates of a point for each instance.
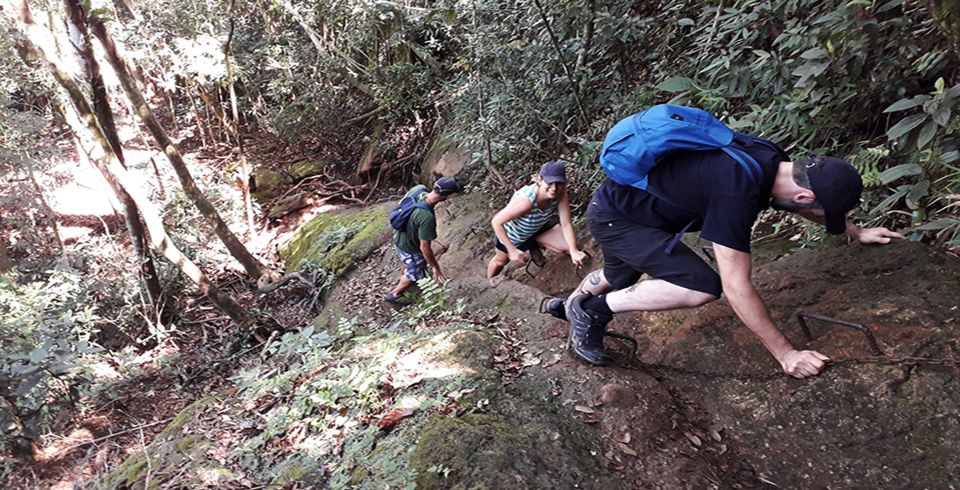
(529, 242)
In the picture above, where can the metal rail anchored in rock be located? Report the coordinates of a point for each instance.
(801, 317)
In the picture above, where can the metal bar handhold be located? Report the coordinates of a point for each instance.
(801, 317)
(634, 345)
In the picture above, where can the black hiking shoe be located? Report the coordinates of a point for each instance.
(396, 300)
(586, 331)
(554, 307)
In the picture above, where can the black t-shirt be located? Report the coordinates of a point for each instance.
(706, 188)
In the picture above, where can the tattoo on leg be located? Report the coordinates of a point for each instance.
(594, 278)
(634, 287)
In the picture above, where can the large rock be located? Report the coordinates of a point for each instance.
(860, 423)
(334, 241)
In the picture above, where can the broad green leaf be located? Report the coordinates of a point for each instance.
(939, 85)
(307, 332)
(949, 157)
(951, 93)
(815, 54)
(906, 125)
(892, 199)
(904, 104)
(918, 192)
(942, 116)
(892, 4)
(28, 385)
(892, 174)
(676, 84)
(926, 134)
(38, 355)
(939, 224)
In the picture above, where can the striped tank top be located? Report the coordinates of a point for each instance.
(522, 228)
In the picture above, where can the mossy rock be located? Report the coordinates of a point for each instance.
(479, 451)
(306, 168)
(268, 184)
(335, 241)
(168, 453)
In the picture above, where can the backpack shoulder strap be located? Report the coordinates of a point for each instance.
(746, 161)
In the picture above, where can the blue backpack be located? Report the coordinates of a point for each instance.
(401, 214)
(639, 142)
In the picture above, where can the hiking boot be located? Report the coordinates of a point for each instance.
(554, 307)
(586, 331)
(397, 300)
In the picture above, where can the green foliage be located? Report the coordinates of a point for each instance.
(45, 328)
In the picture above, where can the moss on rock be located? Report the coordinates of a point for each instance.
(306, 168)
(168, 452)
(268, 184)
(335, 241)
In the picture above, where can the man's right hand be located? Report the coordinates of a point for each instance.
(438, 275)
(516, 256)
(803, 363)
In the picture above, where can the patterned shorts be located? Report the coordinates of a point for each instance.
(415, 265)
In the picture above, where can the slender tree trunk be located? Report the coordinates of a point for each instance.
(196, 115)
(41, 196)
(110, 166)
(586, 37)
(563, 63)
(5, 263)
(244, 171)
(237, 249)
(209, 106)
(104, 115)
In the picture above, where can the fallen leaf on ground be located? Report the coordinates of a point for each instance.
(625, 449)
(584, 409)
(625, 438)
(715, 434)
(694, 439)
(391, 418)
(457, 394)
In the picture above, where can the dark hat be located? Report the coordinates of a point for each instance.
(553, 172)
(446, 186)
(836, 186)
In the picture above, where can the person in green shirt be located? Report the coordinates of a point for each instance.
(412, 242)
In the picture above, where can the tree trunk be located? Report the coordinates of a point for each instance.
(111, 168)
(586, 38)
(237, 249)
(196, 115)
(104, 115)
(5, 263)
(45, 205)
(574, 85)
(947, 15)
(244, 171)
(209, 106)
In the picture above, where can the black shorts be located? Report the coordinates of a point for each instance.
(631, 250)
(529, 242)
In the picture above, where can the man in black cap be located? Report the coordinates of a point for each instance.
(413, 241)
(705, 191)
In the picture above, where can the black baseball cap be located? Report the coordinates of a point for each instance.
(553, 172)
(446, 186)
(836, 186)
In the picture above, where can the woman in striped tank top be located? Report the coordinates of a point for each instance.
(538, 215)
